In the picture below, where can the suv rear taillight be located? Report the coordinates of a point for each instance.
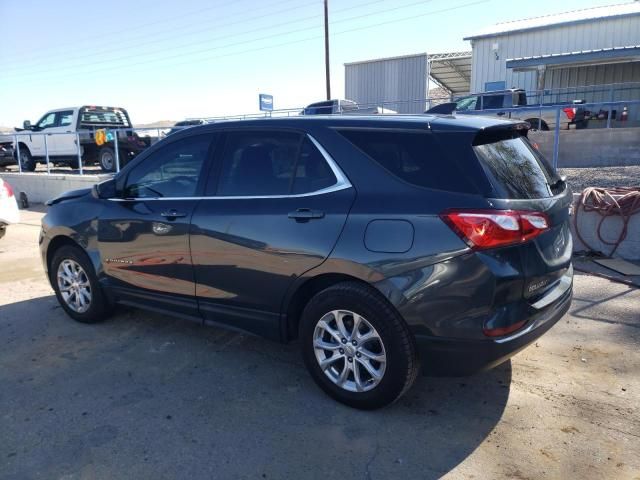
(5, 190)
(482, 229)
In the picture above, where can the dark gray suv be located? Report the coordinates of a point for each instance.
(382, 244)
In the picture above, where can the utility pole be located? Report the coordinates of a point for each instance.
(326, 48)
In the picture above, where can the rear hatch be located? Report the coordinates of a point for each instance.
(521, 179)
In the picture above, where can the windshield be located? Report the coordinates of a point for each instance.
(516, 170)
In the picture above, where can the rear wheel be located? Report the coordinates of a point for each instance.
(537, 124)
(107, 159)
(76, 285)
(26, 160)
(357, 347)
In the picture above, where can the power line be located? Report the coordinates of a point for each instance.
(233, 54)
(165, 20)
(245, 19)
(205, 50)
(16, 70)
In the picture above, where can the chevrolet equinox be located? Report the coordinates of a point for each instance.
(383, 244)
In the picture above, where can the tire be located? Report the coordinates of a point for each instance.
(107, 159)
(74, 164)
(3, 230)
(394, 343)
(581, 125)
(98, 306)
(26, 160)
(534, 122)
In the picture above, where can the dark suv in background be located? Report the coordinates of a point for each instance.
(380, 243)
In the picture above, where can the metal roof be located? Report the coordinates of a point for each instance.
(558, 19)
(601, 55)
(384, 59)
(451, 71)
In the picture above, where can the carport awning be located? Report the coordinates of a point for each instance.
(584, 57)
(452, 71)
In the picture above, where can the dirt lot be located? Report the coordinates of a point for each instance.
(146, 396)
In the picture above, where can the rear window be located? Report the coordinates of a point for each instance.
(416, 158)
(515, 169)
(104, 117)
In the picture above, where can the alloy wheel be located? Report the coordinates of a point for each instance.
(349, 350)
(74, 286)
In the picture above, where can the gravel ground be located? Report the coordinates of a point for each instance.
(146, 396)
(606, 177)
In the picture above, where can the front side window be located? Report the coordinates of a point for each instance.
(272, 163)
(490, 102)
(47, 121)
(172, 171)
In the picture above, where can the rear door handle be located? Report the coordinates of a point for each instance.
(170, 214)
(303, 214)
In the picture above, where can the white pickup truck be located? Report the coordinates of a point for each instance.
(62, 128)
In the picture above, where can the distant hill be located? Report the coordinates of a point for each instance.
(158, 124)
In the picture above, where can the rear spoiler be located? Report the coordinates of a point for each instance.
(505, 131)
(443, 108)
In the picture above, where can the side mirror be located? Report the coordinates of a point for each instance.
(105, 190)
(26, 125)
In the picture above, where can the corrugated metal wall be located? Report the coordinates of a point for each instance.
(602, 33)
(568, 77)
(389, 80)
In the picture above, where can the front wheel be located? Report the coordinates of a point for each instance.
(357, 347)
(76, 285)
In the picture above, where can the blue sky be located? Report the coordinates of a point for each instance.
(170, 60)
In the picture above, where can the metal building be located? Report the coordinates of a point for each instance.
(593, 46)
(402, 83)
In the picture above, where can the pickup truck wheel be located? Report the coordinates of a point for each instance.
(534, 125)
(26, 160)
(107, 159)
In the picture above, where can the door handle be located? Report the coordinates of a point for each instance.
(304, 214)
(173, 214)
(500, 114)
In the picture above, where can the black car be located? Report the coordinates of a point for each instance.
(380, 243)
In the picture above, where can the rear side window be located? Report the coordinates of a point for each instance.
(416, 158)
(515, 169)
(272, 163)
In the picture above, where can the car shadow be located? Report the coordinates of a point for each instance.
(143, 395)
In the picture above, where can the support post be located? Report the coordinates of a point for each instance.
(46, 152)
(17, 147)
(117, 151)
(556, 139)
(79, 153)
(326, 48)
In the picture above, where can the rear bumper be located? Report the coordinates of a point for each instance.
(446, 356)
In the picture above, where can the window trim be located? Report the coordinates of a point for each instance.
(342, 183)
